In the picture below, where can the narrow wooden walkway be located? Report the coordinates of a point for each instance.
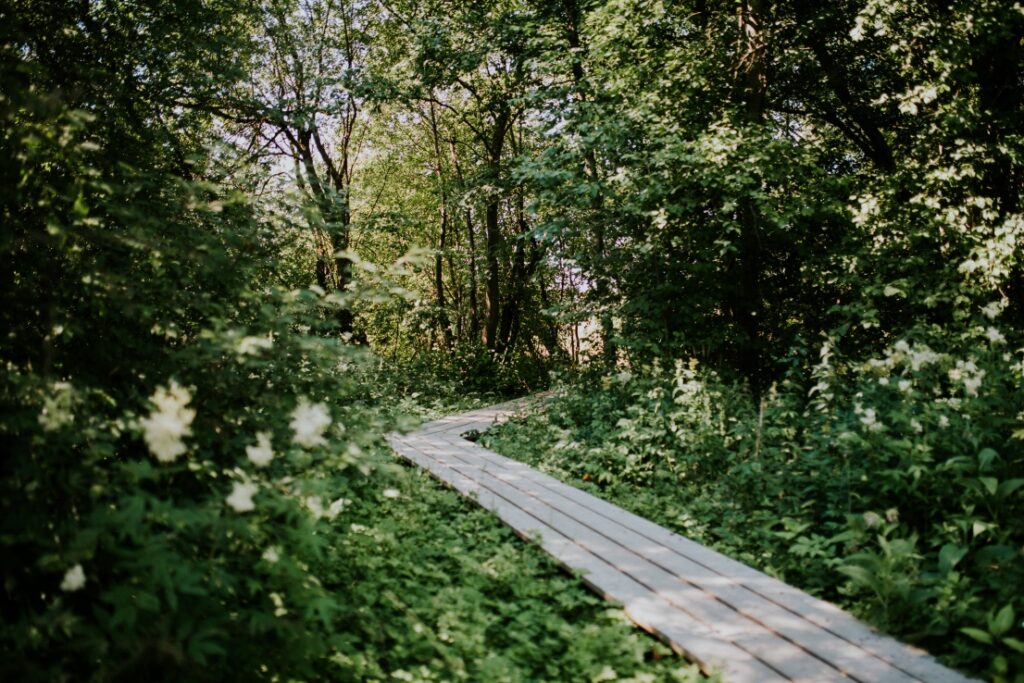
(718, 612)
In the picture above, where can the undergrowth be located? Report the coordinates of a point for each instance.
(897, 496)
(440, 590)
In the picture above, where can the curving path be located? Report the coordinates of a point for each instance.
(718, 612)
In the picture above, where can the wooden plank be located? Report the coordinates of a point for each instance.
(685, 635)
(910, 660)
(480, 419)
(796, 663)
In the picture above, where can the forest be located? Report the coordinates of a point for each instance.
(767, 256)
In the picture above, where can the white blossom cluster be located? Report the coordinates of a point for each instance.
(56, 412)
(970, 374)
(868, 418)
(74, 579)
(903, 356)
(251, 346)
(309, 422)
(261, 454)
(315, 505)
(240, 499)
(169, 423)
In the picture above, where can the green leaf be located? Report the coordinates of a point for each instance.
(977, 634)
(1002, 622)
(1014, 644)
(860, 575)
(991, 484)
(985, 458)
(1009, 486)
(949, 556)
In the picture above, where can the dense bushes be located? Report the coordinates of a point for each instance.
(177, 426)
(818, 202)
(893, 486)
(194, 484)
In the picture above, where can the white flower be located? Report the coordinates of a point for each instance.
(74, 579)
(315, 504)
(884, 381)
(872, 519)
(992, 310)
(902, 346)
(240, 499)
(870, 420)
(916, 426)
(271, 555)
(56, 410)
(943, 421)
(169, 423)
(251, 346)
(336, 507)
(392, 493)
(905, 385)
(279, 604)
(923, 357)
(968, 373)
(261, 454)
(892, 515)
(309, 422)
(995, 336)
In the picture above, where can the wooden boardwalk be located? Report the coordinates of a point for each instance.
(718, 612)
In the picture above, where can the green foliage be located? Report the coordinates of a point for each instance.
(444, 592)
(895, 489)
(819, 203)
(163, 490)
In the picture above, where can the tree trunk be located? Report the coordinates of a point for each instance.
(599, 255)
(519, 279)
(752, 82)
(493, 230)
(474, 305)
(442, 307)
(474, 308)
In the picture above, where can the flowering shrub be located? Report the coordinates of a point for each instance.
(178, 436)
(893, 485)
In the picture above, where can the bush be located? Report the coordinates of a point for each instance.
(178, 428)
(892, 485)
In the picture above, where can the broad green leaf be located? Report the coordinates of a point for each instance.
(978, 635)
(1002, 622)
